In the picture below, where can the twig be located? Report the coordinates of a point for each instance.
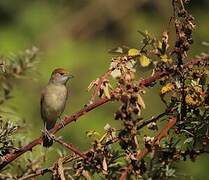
(60, 169)
(71, 148)
(154, 119)
(41, 172)
(37, 173)
(163, 133)
(182, 5)
(8, 158)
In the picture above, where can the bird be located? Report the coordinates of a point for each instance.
(53, 101)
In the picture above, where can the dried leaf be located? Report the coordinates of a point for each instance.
(116, 73)
(107, 127)
(60, 169)
(140, 101)
(104, 164)
(86, 174)
(92, 84)
(106, 91)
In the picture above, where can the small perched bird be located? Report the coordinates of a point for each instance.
(53, 100)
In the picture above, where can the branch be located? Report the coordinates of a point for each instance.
(8, 158)
(37, 173)
(154, 119)
(13, 155)
(41, 172)
(140, 154)
(71, 148)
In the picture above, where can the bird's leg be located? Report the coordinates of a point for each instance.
(62, 121)
(46, 132)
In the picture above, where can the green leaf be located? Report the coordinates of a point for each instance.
(188, 140)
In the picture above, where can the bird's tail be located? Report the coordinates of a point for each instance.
(47, 139)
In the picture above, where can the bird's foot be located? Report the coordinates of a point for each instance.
(47, 133)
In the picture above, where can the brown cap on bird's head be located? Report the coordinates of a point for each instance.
(61, 71)
(60, 75)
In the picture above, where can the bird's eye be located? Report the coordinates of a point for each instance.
(61, 73)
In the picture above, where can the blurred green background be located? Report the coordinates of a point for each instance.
(76, 35)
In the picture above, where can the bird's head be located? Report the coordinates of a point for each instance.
(60, 76)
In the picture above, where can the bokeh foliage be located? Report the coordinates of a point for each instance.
(64, 41)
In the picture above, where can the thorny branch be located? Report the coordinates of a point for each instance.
(71, 148)
(188, 89)
(8, 158)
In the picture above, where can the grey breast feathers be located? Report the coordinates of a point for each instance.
(53, 99)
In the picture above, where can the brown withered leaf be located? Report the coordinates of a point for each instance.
(140, 101)
(104, 165)
(106, 90)
(60, 169)
(86, 174)
(92, 84)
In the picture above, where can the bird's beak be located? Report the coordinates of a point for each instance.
(70, 76)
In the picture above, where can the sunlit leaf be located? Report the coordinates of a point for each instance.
(133, 52)
(144, 61)
(140, 101)
(106, 91)
(188, 140)
(167, 88)
(165, 58)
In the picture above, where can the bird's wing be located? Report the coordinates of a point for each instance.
(41, 106)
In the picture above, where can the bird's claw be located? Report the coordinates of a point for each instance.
(46, 133)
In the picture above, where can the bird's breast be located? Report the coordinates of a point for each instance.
(55, 97)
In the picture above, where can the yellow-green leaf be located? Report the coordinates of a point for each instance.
(165, 58)
(133, 52)
(167, 88)
(144, 61)
(140, 101)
